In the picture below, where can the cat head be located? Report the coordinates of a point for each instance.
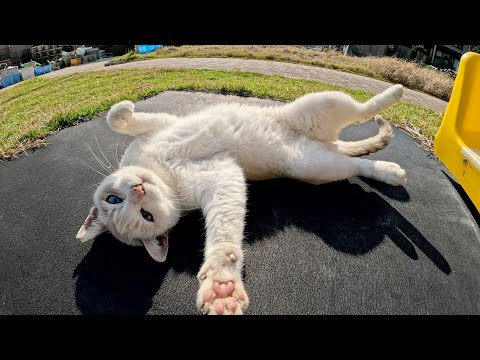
(137, 207)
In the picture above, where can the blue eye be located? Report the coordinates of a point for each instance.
(146, 215)
(113, 199)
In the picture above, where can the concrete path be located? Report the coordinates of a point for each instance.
(350, 247)
(265, 67)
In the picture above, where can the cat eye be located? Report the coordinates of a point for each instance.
(113, 199)
(146, 215)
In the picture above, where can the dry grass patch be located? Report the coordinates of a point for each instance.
(40, 106)
(409, 74)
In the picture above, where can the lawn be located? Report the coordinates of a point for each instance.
(409, 74)
(40, 106)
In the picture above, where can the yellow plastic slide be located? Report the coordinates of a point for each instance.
(457, 143)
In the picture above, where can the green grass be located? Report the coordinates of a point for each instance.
(408, 73)
(40, 106)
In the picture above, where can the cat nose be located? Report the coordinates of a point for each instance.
(138, 190)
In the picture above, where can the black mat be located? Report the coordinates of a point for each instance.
(351, 247)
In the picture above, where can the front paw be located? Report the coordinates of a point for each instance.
(221, 292)
(120, 114)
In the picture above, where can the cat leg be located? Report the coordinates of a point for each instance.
(323, 115)
(318, 163)
(218, 187)
(123, 119)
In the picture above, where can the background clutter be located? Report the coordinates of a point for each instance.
(47, 58)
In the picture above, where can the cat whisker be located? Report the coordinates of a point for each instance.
(187, 196)
(105, 167)
(116, 150)
(188, 203)
(182, 206)
(179, 199)
(188, 212)
(181, 203)
(95, 134)
(94, 169)
(183, 209)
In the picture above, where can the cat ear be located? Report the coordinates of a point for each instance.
(157, 247)
(91, 227)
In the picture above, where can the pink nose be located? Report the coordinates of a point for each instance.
(138, 190)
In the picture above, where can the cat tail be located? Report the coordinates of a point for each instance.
(370, 145)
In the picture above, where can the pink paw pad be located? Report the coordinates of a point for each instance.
(222, 305)
(238, 295)
(219, 306)
(208, 296)
(223, 290)
(222, 299)
(231, 305)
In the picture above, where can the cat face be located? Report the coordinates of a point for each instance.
(137, 207)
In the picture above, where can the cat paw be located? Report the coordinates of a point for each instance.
(221, 293)
(395, 92)
(390, 173)
(120, 114)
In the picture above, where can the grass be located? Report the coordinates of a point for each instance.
(40, 106)
(409, 74)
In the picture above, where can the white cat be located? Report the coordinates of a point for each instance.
(202, 161)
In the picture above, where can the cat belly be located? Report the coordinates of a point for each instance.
(259, 168)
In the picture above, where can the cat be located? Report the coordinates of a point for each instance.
(202, 161)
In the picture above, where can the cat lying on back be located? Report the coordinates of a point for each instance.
(203, 160)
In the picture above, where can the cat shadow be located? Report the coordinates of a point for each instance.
(342, 214)
(114, 278)
(117, 279)
(398, 193)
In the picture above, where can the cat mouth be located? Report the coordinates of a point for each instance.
(157, 247)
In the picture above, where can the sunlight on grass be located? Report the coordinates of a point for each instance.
(40, 106)
(394, 70)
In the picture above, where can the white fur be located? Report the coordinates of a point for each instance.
(203, 160)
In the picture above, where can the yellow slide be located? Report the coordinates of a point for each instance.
(457, 143)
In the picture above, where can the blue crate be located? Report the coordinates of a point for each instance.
(40, 70)
(145, 49)
(9, 80)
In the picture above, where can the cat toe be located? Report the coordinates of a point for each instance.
(222, 298)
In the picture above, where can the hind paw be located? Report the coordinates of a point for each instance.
(395, 92)
(120, 114)
(390, 173)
